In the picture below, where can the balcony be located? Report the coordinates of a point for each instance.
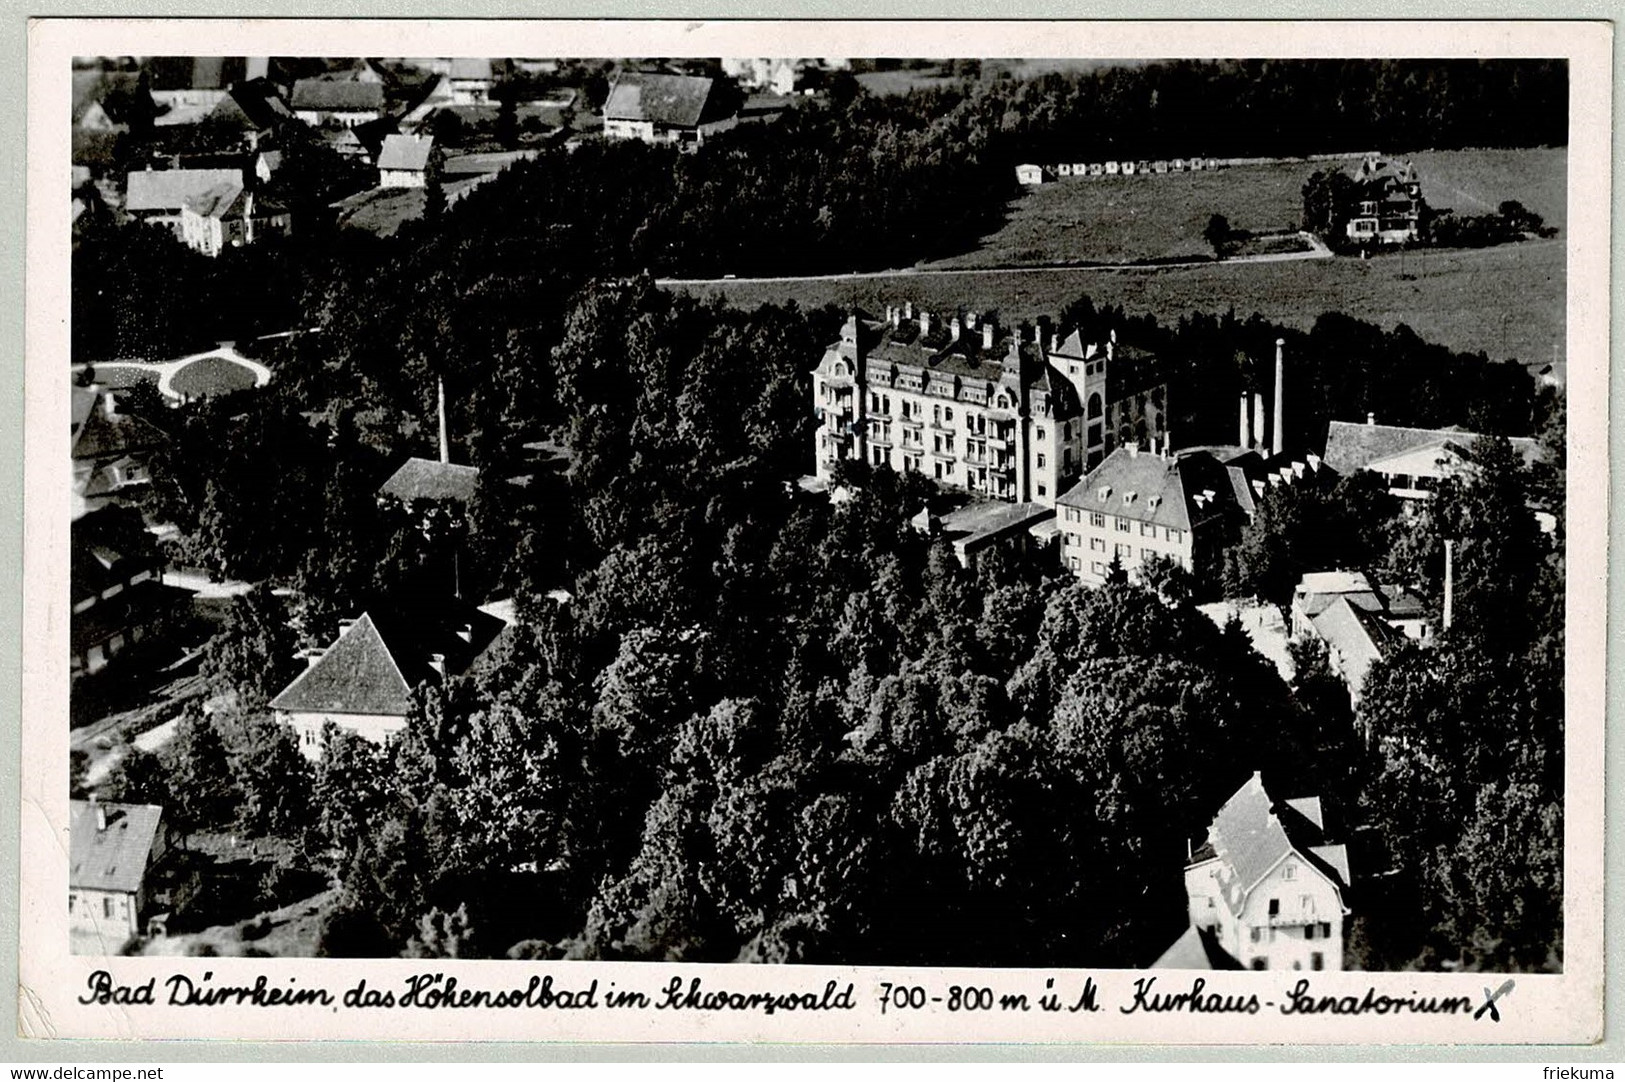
(913, 422)
(998, 443)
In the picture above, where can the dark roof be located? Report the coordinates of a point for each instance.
(427, 479)
(253, 105)
(116, 92)
(1168, 491)
(169, 189)
(406, 152)
(379, 659)
(356, 675)
(337, 96)
(1351, 446)
(194, 72)
(677, 101)
(219, 201)
(103, 436)
(470, 67)
(1198, 948)
(113, 859)
(1358, 635)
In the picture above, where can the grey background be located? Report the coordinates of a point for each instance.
(13, 77)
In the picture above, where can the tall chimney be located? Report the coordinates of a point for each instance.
(925, 323)
(1258, 421)
(1243, 432)
(100, 811)
(1275, 433)
(953, 329)
(1449, 582)
(987, 336)
(445, 450)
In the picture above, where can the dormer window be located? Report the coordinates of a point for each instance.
(1128, 498)
(1105, 493)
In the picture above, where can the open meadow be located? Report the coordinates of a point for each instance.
(1161, 216)
(1508, 302)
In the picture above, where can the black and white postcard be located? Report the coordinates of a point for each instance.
(837, 532)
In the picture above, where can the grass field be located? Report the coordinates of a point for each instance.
(1122, 219)
(211, 375)
(1507, 301)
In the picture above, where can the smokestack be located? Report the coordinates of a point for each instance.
(925, 323)
(1258, 421)
(1243, 432)
(1449, 582)
(99, 811)
(445, 451)
(987, 337)
(953, 329)
(1275, 433)
(437, 662)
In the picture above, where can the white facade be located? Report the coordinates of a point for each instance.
(1291, 919)
(308, 727)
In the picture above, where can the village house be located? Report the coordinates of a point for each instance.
(1387, 203)
(365, 680)
(159, 196)
(226, 216)
(471, 80)
(773, 75)
(1137, 506)
(1411, 461)
(110, 453)
(1360, 623)
(660, 108)
(253, 109)
(337, 103)
(1029, 174)
(977, 408)
(1266, 891)
(187, 89)
(116, 599)
(404, 161)
(112, 849)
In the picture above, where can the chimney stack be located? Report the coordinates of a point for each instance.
(1275, 433)
(908, 309)
(1449, 582)
(1243, 432)
(925, 323)
(953, 329)
(1258, 421)
(987, 337)
(100, 811)
(445, 451)
(1371, 420)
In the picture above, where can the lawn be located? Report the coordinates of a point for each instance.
(117, 377)
(381, 211)
(1122, 219)
(1507, 301)
(1161, 216)
(211, 375)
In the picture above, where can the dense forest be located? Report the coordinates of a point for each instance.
(766, 726)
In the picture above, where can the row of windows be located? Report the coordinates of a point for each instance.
(1317, 961)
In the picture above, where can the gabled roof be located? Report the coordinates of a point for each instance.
(337, 96)
(409, 152)
(356, 675)
(1250, 837)
(677, 101)
(252, 105)
(1357, 635)
(115, 92)
(427, 479)
(169, 189)
(219, 201)
(114, 859)
(102, 436)
(471, 67)
(1153, 488)
(1196, 949)
(1351, 446)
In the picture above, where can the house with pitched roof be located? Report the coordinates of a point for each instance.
(159, 196)
(403, 162)
(110, 452)
(228, 216)
(1266, 889)
(337, 103)
(364, 681)
(433, 481)
(112, 849)
(1412, 461)
(471, 80)
(1387, 203)
(1013, 416)
(117, 596)
(660, 108)
(1360, 623)
(1139, 505)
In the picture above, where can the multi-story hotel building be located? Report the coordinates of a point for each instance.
(1007, 415)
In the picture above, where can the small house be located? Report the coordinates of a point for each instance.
(112, 849)
(159, 196)
(226, 216)
(471, 80)
(1029, 174)
(658, 108)
(1113, 168)
(404, 161)
(337, 103)
(1063, 170)
(1096, 169)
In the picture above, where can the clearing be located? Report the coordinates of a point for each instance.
(1161, 216)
